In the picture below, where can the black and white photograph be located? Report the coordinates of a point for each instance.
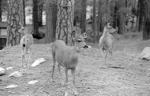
(74, 47)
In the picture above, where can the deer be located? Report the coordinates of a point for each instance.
(106, 41)
(66, 56)
(26, 42)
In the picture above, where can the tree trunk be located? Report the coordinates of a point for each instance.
(100, 27)
(40, 11)
(14, 22)
(22, 12)
(65, 18)
(146, 15)
(121, 17)
(94, 20)
(140, 15)
(51, 17)
(35, 17)
(83, 16)
(146, 31)
(0, 10)
(126, 3)
(115, 16)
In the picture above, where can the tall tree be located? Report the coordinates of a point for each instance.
(146, 9)
(140, 14)
(14, 22)
(122, 13)
(115, 15)
(77, 11)
(94, 20)
(99, 27)
(40, 11)
(83, 16)
(0, 10)
(35, 17)
(22, 12)
(65, 18)
(51, 17)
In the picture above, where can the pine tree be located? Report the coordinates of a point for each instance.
(83, 16)
(51, 17)
(14, 22)
(65, 18)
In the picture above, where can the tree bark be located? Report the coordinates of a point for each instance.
(22, 12)
(100, 27)
(115, 16)
(121, 17)
(140, 15)
(65, 18)
(35, 17)
(146, 31)
(94, 20)
(40, 11)
(0, 10)
(14, 22)
(146, 15)
(83, 16)
(51, 17)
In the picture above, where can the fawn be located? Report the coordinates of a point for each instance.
(26, 43)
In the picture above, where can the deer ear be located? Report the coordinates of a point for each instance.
(21, 30)
(22, 27)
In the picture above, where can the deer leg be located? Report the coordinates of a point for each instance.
(53, 72)
(66, 73)
(54, 63)
(101, 52)
(106, 57)
(30, 55)
(110, 51)
(59, 70)
(73, 75)
(23, 57)
(27, 58)
(66, 82)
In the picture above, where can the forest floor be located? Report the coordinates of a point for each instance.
(123, 75)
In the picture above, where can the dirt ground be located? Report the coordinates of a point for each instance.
(123, 75)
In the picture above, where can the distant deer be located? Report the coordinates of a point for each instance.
(106, 40)
(26, 43)
(66, 56)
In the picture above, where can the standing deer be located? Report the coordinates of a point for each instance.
(26, 42)
(106, 40)
(66, 56)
